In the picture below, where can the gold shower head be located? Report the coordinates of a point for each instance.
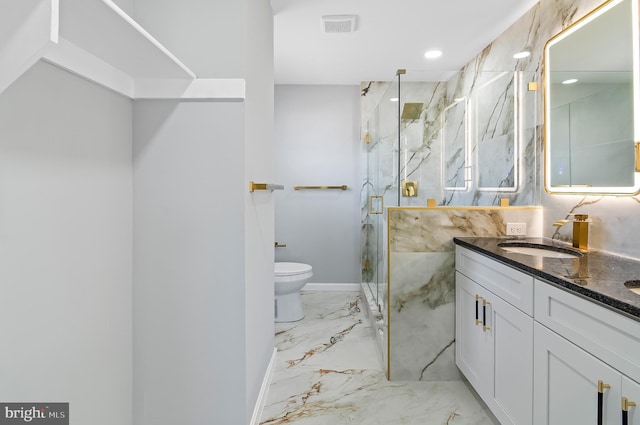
(411, 111)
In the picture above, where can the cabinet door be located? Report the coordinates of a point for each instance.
(631, 392)
(566, 384)
(474, 351)
(494, 350)
(512, 389)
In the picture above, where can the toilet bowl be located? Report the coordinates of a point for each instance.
(289, 278)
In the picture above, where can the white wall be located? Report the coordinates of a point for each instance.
(317, 143)
(65, 246)
(259, 214)
(223, 39)
(188, 276)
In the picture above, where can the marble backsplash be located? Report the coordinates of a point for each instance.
(421, 288)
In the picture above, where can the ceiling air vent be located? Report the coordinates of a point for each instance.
(338, 23)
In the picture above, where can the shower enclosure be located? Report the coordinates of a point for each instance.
(462, 142)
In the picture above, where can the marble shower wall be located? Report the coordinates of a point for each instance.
(420, 315)
(494, 77)
(614, 218)
(472, 143)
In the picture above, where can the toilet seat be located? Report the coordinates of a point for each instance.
(290, 269)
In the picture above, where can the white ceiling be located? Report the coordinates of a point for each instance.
(391, 34)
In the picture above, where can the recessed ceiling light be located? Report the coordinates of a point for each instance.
(432, 54)
(522, 55)
(394, 99)
(570, 81)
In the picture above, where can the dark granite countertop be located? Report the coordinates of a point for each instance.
(596, 275)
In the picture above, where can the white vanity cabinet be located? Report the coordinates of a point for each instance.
(494, 338)
(586, 358)
(566, 385)
(540, 355)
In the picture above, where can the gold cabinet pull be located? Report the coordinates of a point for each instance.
(485, 303)
(625, 410)
(478, 321)
(601, 387)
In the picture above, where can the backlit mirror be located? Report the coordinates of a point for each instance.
(591, 87)
(454, 146)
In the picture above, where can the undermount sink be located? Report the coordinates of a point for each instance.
(633, 285)
(539, 250)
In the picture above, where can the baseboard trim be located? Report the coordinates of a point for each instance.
(264, 389)
(352, 287)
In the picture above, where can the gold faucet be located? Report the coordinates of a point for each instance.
(580, 230)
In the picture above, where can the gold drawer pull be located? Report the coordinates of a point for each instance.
(485, 303)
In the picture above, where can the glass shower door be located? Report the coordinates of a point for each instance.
(382, 190)
(374, 224)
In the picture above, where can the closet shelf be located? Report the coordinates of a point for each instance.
(97, 41)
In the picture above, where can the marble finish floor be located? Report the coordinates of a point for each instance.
(328, 372)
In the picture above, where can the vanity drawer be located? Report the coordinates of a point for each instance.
(612, 337)
(511, 285)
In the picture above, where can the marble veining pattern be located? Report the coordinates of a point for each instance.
(327, 372)
(430, 155)
(421, 286)
(614, 218)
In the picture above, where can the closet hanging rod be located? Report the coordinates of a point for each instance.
(264, 186)
(343, 187)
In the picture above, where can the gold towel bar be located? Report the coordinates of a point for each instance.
(343, 187)
(264, 186)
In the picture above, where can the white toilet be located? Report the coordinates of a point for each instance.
(289, 278)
